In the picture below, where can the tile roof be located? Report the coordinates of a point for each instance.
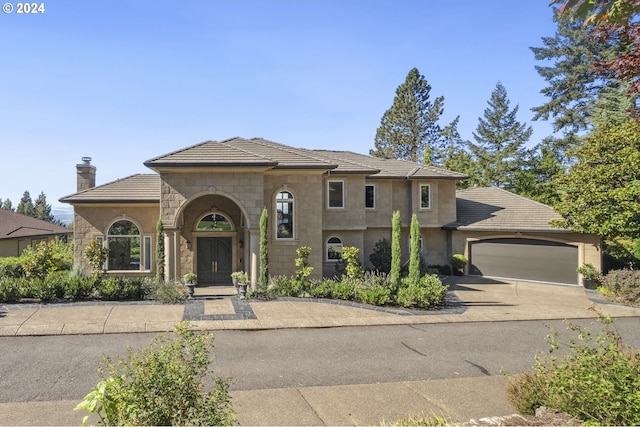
(386, 168)
(241, 152)
(14, 225)
(137, 188)
(495, 209)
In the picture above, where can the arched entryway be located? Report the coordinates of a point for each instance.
(216, 239)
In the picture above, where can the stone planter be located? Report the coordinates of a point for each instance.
(190, 289)
(242, 290)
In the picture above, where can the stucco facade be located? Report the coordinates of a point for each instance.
(210, 197)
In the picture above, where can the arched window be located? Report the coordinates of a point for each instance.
(284, 215)
(214, 222)
(334, 249)
(123, 241)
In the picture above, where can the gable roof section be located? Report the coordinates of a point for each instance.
(237, 152)
(14, 225)
(495, 209)
(137, 188)
(386, 168)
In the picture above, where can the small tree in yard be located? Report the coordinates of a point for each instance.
(414, 257)
(96, 254)
(159, 251)
(353, 268)
(302, 275)
(263, 278)
(395, 249)
(162, 385)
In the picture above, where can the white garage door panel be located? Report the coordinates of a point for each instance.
(525, 259)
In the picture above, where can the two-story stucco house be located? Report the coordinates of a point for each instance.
(210, 197)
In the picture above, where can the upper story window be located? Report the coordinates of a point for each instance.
(335, 194)
(284, 215)
(123, 242)
(334, 249)
(370, 196)
(214, 222)
(425, 196)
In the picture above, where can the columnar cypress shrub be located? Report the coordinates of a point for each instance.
(396, 254)
(263, 278)
(414, 257)
(159, 251)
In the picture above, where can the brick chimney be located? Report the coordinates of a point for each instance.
(86, 174)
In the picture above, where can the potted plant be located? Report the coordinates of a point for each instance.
(190, 281)
(458, 263)
(591, 277)
(240, 280)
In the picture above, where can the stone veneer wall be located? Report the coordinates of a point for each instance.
(91, 221)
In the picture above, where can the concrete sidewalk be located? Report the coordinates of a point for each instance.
(471, 300)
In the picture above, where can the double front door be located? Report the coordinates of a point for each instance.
(214, 260)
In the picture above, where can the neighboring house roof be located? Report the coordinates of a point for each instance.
(14, 225)
(139, 188)
(495, 209)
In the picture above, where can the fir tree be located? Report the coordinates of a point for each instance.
(42, 210)
(263, 279)
(6, 204)
(500, 142)
(25, 207)
(409, 130)
(414, 257)
(396, 253)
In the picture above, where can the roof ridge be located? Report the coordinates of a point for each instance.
(107, 183)
(347, 160)
(287, 149)
(246, 151)
(178, 151)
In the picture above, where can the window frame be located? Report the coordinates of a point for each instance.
(107, 237)
(342, 188)
(428, 186)
(373, 187)
(292, 215)
(329, 245)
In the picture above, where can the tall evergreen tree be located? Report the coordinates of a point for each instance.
(409, 130)
(500, 142)
(6, 204)
(541, 165)
(263, 279)
(160, 254)
(25, 207)
(42, 210)
(568, 61)
(414, 255)
(456, 156)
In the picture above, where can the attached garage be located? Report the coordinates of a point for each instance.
(504, 235)
(526, 259)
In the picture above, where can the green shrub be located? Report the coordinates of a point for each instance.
(458, 263)
(78, 287)
(381, 256)
(428, 293)
(120, 288)
(343, 289)
(374, 295)
(10, 290)
(623, 285)
(351, 256)
(320, 288)
(46, 258)
(596, 381)
(162, 384)
(166, 292)
(284, 286)
(11, 267)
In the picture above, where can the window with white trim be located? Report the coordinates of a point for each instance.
(334, 249)
(425, 196)
(284, 215)
(370, 196)
(123, 242)
(335, 194)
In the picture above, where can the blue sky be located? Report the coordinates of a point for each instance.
(125, 81)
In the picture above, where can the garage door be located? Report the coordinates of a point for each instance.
(526, 259)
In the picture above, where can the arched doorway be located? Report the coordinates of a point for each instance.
(215, 236)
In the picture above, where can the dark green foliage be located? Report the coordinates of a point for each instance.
(601, 191)
(597, 381)
(42, 210)
(11, 267)
(263, 278)
(285, 286)
(409, 130)
(535, 179)
(165, 292)
(623, 286)
(429, 292)
(162, 384)
(10, 290)
(47, 257)
(396, 254)
(381, 256)
(500, 143)
(320, 288)
(119, 288)
(25, 207)
(414, 255)
(343, 289)
(159, 252)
